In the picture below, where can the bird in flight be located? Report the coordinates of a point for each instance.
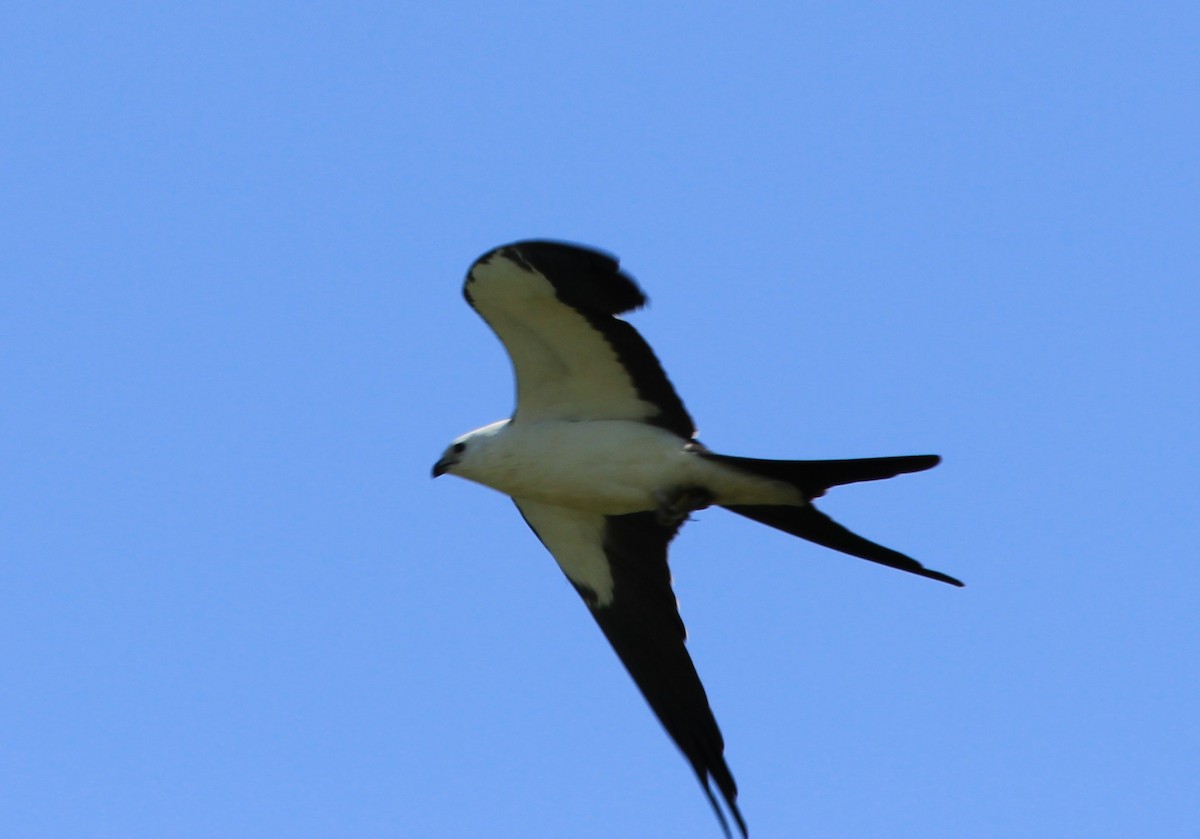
(601, 459)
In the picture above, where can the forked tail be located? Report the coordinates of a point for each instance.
(812, 478)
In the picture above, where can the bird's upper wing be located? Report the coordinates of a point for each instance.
(618, 564)
(553, 307)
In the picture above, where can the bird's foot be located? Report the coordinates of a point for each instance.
(674, 506)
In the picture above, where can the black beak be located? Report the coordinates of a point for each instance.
(440, 467)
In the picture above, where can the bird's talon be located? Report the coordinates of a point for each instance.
(674, 508)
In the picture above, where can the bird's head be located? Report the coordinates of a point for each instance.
(468, 451)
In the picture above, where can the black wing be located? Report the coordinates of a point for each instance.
(553, 306)
(618, 564)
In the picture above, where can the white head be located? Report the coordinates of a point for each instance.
(466, 453)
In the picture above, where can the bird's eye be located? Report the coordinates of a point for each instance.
(458, 448)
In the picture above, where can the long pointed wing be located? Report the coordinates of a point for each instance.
(553, 305)
(618, 564)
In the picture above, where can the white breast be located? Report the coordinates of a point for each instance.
(611, 467)
(604, 466)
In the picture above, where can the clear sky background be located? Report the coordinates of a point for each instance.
(232, 601)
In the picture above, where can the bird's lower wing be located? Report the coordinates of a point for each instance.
(618, 564)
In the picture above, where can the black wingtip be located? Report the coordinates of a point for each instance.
(583, 277)
(712, 799)
(731, 802)
(714, 771)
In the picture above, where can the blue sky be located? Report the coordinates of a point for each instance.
(232, 601)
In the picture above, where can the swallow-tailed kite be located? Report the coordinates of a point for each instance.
(601, 460)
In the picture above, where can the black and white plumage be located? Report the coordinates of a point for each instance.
(601, 460)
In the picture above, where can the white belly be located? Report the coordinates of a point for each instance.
(605, 466)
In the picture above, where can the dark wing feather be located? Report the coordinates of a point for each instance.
(553, 306)
(644, 627)
(637, 611)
